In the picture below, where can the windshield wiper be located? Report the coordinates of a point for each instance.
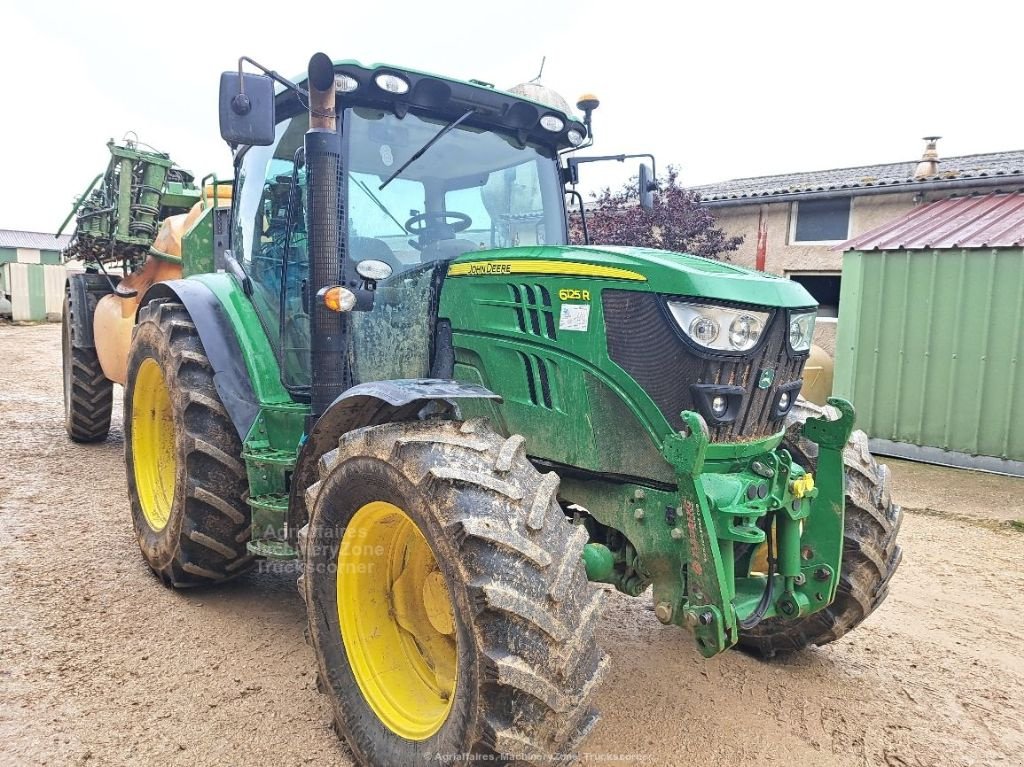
(362, 185)
(420, 152)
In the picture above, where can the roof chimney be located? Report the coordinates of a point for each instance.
(929, 165)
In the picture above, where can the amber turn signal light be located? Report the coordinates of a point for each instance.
(337, 299)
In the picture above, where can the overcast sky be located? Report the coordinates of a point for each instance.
(720, 89)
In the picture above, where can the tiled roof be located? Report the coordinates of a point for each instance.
(14, 238)
(983, 221)
(866, 177)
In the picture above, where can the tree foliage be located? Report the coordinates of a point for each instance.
(678, 222)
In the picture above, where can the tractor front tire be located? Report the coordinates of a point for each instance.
(186, 479)
(448, 606)
(870, 551)
(88, 393)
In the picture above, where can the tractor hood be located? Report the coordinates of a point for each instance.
(643, 269)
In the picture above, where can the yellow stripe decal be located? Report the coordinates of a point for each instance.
(536, 266)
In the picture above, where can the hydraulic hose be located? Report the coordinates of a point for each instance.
(769, 589)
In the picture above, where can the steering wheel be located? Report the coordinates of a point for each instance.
(423, 223)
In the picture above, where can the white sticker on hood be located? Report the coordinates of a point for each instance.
(574, 317)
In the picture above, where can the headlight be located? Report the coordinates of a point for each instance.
(744, 332)
(801, 330)
(704, 324)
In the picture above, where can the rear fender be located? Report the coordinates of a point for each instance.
(371, 404)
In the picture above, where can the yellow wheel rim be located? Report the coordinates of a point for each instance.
(397, 621)
(153, 445)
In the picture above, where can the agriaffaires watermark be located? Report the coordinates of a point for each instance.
(584, 757)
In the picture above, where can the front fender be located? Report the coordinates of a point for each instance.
(370, 404)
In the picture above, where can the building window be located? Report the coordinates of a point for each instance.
(825, 288)
(822, 220)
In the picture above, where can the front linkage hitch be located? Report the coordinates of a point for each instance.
(701, 547)
(800, 518)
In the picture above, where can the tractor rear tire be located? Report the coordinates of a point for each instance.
(870, 551)
(448, 605)
(88, 393)
(186, 479)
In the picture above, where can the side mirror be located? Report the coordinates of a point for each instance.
(247, 109)
(648, 187)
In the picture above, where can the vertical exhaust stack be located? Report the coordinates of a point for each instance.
(329, 372)
(929, 164)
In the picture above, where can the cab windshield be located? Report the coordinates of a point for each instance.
(472, 190)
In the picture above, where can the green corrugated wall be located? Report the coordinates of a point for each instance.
(36, 292)
(930, 346)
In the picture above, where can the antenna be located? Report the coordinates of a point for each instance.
(543, 60)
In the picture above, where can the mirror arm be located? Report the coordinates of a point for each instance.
(573, 162)
(269, 73)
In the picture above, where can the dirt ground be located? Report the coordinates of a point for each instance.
(100, 664)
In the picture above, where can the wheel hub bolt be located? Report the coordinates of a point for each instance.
(706, 618)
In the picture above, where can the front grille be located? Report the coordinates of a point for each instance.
(643, 341)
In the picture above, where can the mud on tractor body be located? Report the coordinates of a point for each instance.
(399, 373)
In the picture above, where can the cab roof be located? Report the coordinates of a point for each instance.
(448, 97)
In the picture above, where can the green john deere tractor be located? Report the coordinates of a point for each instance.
(396, 370)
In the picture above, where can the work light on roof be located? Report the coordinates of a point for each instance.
(345, 83)
(392, 83)
(575, 137)
(552, 123)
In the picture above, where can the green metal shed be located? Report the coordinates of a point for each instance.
(931, 333)
(32, 275)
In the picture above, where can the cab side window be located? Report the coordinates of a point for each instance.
(269, 226)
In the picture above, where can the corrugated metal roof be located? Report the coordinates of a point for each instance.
(984, 221)
(867, 177)
(15, 238)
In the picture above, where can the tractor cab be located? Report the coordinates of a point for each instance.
(431, 170)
